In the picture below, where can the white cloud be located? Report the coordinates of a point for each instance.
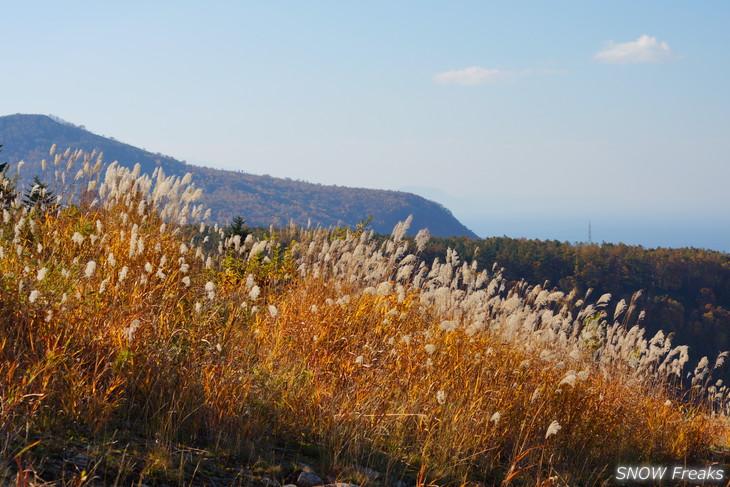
(645, 49)
(476, 75)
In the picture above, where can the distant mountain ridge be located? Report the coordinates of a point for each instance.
(262, 200)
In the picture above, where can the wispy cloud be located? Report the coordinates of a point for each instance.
(645, 49)
(476, 75)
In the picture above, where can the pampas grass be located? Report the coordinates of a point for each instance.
(121, 319)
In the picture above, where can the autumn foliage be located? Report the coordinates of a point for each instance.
(145, 340)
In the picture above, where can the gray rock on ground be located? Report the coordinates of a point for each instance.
(309, 479)
(373, 474)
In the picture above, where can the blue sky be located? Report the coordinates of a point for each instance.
(525, 118)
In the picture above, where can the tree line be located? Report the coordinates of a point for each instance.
(686, 290)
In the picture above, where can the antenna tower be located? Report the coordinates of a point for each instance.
(590, 238)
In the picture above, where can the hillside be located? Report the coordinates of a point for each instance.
(134, 353)
(686, 292)
(262, 200)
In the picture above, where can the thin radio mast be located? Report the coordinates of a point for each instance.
(590, 238)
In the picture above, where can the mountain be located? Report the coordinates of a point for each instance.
(262, 200)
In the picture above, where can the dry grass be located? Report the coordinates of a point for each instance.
(167, 344)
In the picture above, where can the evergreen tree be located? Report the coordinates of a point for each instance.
(238, 227)
(38, 196)
(7, 186)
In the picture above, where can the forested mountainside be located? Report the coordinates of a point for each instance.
(261, 200)
(685, 291)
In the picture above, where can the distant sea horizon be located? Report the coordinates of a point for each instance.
(710, 234)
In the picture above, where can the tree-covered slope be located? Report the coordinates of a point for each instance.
(262, 200)
(686, 291)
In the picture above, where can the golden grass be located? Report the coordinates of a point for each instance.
(380, 378)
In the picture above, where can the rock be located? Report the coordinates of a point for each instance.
(341, 484)
(308, 479)
(81, 460)
(304, 467)
(368, 471)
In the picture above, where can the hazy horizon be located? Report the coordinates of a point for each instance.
(649, 232)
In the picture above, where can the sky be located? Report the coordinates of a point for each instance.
(525, 118)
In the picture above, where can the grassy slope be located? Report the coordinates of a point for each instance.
(162, 363)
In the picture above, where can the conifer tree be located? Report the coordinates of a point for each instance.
(238, 227)
(38, 196)
(7, 186)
